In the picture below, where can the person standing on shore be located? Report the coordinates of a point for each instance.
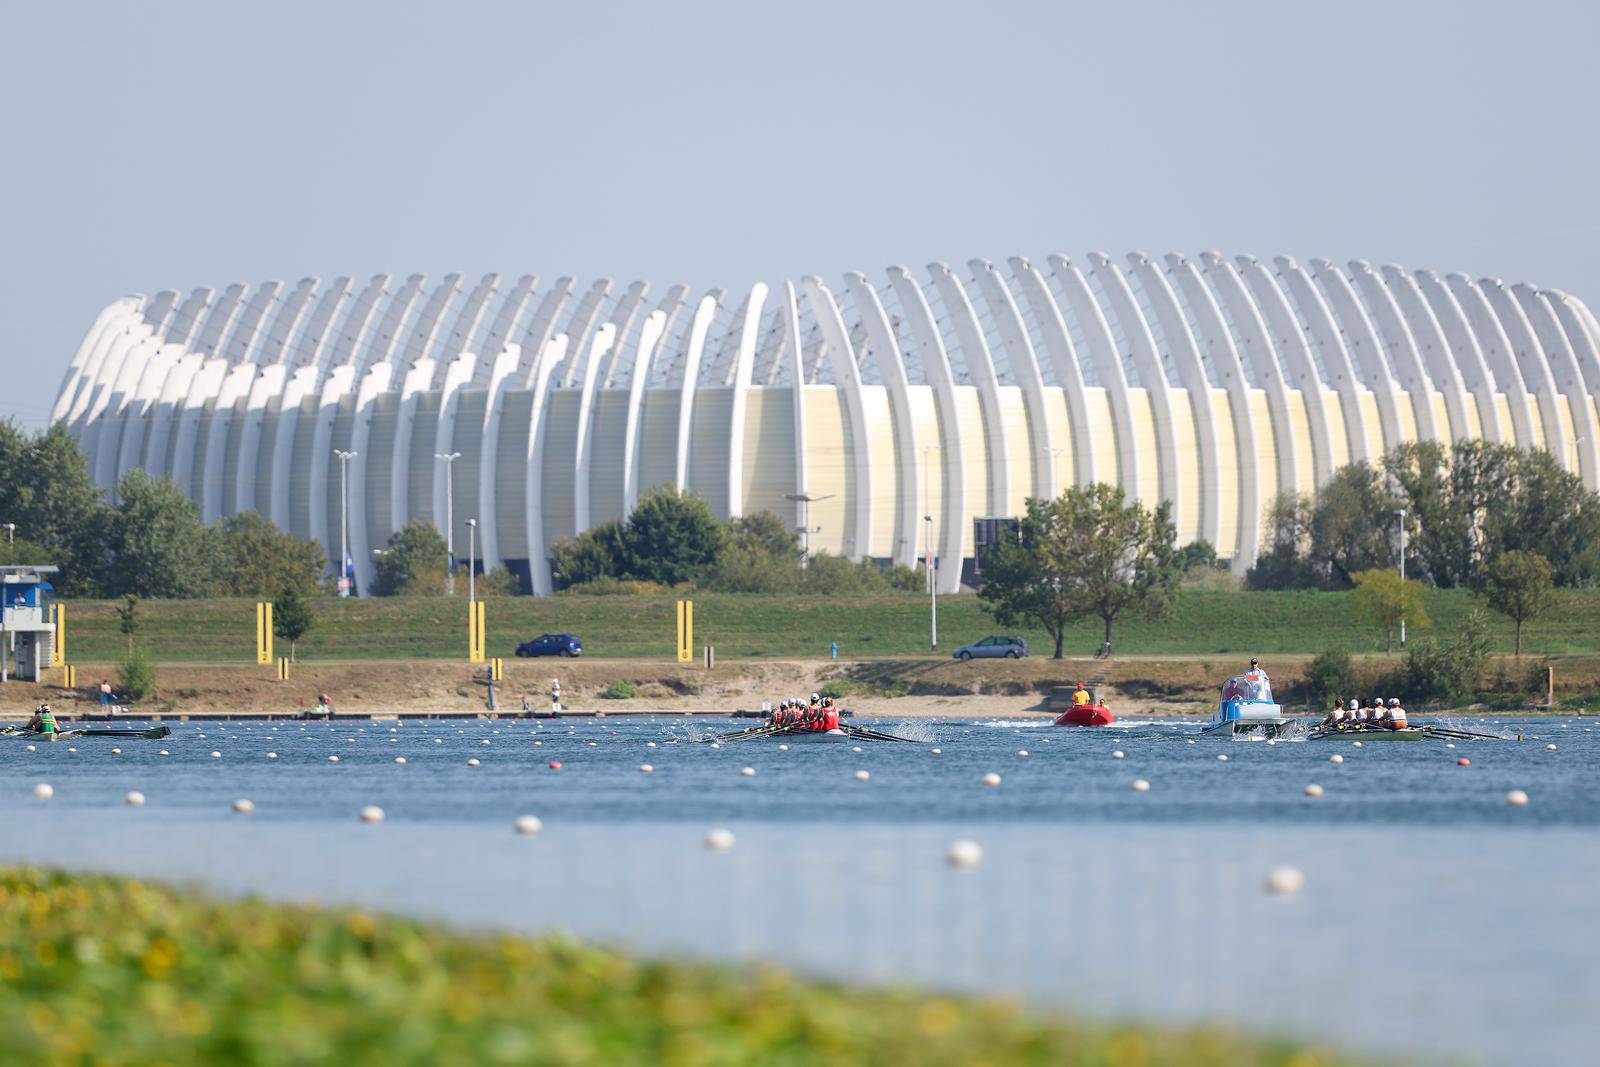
(105, 694)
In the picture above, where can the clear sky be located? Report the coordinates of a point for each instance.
(170, 145)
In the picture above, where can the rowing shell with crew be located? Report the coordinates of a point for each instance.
(43, 727)
(814, 720)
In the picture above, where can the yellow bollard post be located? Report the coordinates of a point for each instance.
(482, 636)
(58, 655)
(685, 631)
(264, 632)
(472, 631)
(283, 668)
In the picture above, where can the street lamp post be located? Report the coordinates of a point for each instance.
(449, 459)
(1401, 513)
(344, 521)
(805, 500)
(472, 560)
(11, 533)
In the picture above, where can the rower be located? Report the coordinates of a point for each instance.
(1080, 696)
(1397, 714)
(43, 721)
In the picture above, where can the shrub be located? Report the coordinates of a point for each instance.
(1447, 670)
(608, 586)
(137, 675)
(623, 690)
(1330, 674)
(837, 688)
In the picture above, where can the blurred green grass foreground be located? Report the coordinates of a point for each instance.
(98, 970)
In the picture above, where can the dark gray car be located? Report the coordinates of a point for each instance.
(994, 648)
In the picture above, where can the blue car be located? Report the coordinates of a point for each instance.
(552, 645)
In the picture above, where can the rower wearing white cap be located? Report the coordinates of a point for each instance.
(1396, 714)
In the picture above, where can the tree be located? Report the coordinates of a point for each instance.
(760, 554)
(292, 618)
(1087, 551)
(137, 674)
(1518, 585)
(410, 559)
(598, 552)
(1352, 528)
(1285, 564)
(156, 544)
(670, 538)
(128, 618)
(46, 490)
(1382, 598)
(260, 560)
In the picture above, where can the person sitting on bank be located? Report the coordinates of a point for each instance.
(43, 721)
(1080, 696)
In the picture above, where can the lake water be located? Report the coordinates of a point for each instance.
(1435, 919)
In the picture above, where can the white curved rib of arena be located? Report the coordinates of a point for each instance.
(952, 395)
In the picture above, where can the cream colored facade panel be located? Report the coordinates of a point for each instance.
(930, 488)
(1299, 429)
(1103, 432)
(1264, 466)
(1189, 473)
(1334, 406)
(606, 474)
(1474, 421)
(709, 431)
(1536, 421)
(969, 412)
(560, 444)
(769, 460)
(1407, 416)
(1228, 473)
(658, 439)
(1372, 419)
(879, 421)
(1144, 444)
(510, 485)
(1017, 428)
(1059, 416)
(829, 470)
(1441, 415)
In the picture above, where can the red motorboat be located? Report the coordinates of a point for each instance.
(1086, 715)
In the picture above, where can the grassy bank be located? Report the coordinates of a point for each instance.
(1203, 622)
(105, 970)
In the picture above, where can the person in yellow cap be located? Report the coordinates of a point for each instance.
(1080, 696)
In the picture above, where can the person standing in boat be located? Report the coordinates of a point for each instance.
(43, 721)
(1080, 696)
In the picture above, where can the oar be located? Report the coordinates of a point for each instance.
(1441, 731)
(870, 735)
(747, 732)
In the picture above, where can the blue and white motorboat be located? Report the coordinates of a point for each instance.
(1247, 710)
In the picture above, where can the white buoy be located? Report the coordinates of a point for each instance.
(1313, 790)
(1356, 744)
(71, 749)
(716, 744)
(1336, 758)
(214, 755)
(270, 755)
(1550, 748)
(1222, 758)
(372, 813)
(1117, 754)
(163, 752)
(1191, 740)
(650, 744)
(783, 748)
(991, 779)
(862, 776)
(748, 772)
(1022, 752)
(118, 752)
(855, 748)
(528, 825)
(1141, 786)
(645, 768)
(1284, 881)
(1517, 798)
(333, 759)
(32, 749)
(399, 759)
(937, 751)
(1452, 745)
(44, 791)
(134, 799)
(243, 807)
(720, 840)
(964, 854)
(440, 741)
(485, 741)
(473, 762)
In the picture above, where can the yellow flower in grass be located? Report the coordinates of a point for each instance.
(158, 959)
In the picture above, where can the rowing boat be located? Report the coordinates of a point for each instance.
(73, 733)
(1369, 734)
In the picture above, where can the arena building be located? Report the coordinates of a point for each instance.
(905, 410)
